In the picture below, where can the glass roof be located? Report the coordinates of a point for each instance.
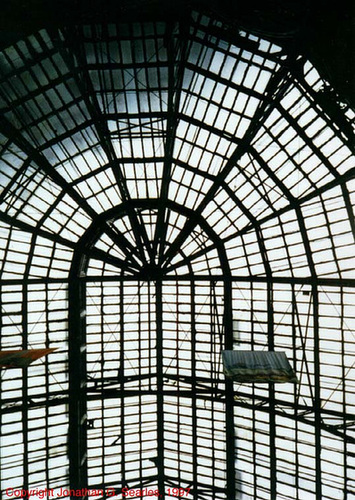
(168, 192)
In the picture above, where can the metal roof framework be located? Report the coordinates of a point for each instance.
(158, 181)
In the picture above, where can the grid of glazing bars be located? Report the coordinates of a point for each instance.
(123, 380)
(236, 138)
(34, 401)
(313, 439)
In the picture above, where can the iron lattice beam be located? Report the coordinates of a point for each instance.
(88, 94)
(175, 83)
(90, 252)
(276, 88)
(9, 131)
(349, 175)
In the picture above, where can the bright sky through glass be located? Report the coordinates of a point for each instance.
(212, 151)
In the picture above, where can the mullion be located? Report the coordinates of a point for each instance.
(160, 63)
(131, 80)
(348, 207)
(25, 415)
(160, 384)
(253, 391)
(194, 398)
(317, 394)
(272, 416)
(263, 253)
(2, 426)
(122, 405)
(51, 259)
(343, 354)
(47, 390)
(139, 363)
(138, 83)
(247, 256)
(303, 341)
(101, 300)
(286, 246)
(150, 340)
(123, 72)
(213, 336)
(305, 240)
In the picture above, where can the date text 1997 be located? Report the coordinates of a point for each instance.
(174, 492)
(178, 492)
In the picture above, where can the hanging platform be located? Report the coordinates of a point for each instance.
(258, 366)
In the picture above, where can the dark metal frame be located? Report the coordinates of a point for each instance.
(72, 71)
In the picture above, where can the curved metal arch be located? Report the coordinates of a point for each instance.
(88, 240)
(77, 344)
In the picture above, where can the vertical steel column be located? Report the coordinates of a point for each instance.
(345, 451)
(193, 389)
(230, 433)
(317, 403)
(295, 391)
(25, 398)
(47, 385)
(160, 386)
(77, 445)
(272, 422)
(1, 392)
(121, 381)
(252, 343)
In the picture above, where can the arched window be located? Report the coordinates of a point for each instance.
(148, 396)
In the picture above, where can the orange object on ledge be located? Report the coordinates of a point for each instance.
(21, 359)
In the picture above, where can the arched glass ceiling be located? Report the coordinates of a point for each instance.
(171, 153)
